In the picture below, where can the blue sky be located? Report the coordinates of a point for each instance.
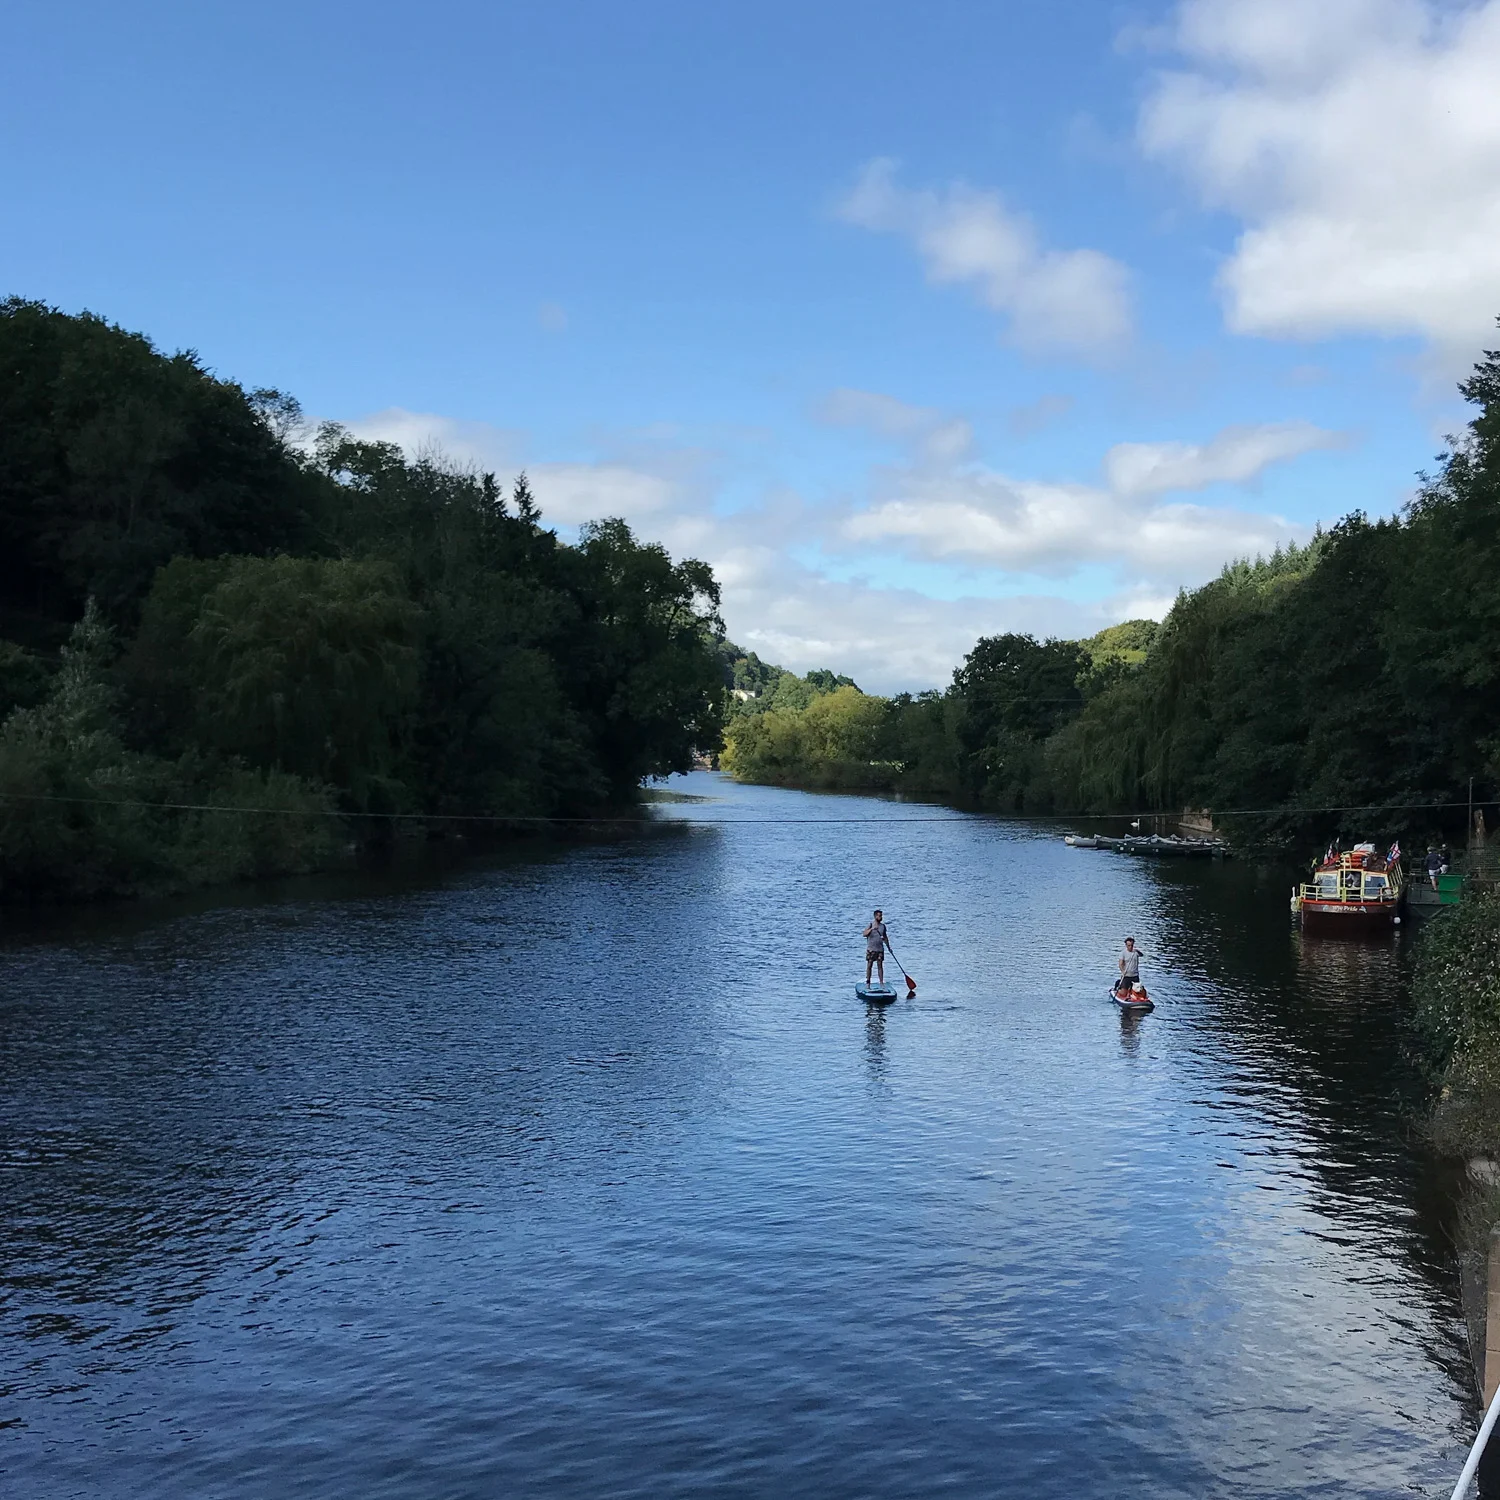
(918, 322)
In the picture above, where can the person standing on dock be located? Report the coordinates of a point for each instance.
(1130, 966)
(875, 941)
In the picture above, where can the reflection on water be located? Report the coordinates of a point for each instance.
(588, 1174)
(1130, 1032)
(1348, 967)
(875, 1042)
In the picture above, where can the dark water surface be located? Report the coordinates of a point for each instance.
(587, 1175)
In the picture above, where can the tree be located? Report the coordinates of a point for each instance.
(297, 664)
(115, 458)
(643, 669)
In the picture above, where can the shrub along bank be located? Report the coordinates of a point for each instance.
(1456, 992)
(201, 616)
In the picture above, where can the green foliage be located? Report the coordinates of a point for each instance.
(82, 816)
(23, 678)
(1016, 692)
(114, 459)
(835, 741)
(1456, 990)
(922, 744)
(757, 687)
(1129, 642)
(984, 740)
(300, 665)
(338, 627)
(651, 689)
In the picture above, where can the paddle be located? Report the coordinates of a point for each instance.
(911, 984)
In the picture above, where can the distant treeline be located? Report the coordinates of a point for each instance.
(215, 636)
(755, 686)
(1361, 669)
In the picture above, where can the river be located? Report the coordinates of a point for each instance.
(584, 1173)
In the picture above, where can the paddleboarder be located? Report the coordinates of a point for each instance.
(875, 941)
(1130, 967)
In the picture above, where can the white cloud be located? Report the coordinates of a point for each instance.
(1072, 301)
(940, 437)
(1235, 455)
(570, 494)
(1359, 143)
(986, 520)
(936, 508)
(977, 517)
(887, 639)
(478, 443)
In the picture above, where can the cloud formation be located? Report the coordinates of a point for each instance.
(976, 517)
(418, 432)
(791, 570)
(1056, 301)
(575, 492)
(1233, 456)
(1359, 143)
(986, 520)
(887, 639)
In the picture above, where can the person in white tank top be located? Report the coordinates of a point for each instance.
(875, 941)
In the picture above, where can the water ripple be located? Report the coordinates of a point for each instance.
(584, 1174)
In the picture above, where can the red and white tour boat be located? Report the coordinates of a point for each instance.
(1353, 890)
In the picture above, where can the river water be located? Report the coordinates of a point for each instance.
(584, 1173)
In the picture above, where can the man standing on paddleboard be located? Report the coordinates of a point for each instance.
(1130, 966)
(875, 941)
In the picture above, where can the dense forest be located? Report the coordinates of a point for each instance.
(1357, 672)
(230, 647)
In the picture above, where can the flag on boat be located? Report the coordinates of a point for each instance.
(1333, 853)
(1395, 853)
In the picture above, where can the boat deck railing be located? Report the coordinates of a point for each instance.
(1332, 884)
(1462, 1489)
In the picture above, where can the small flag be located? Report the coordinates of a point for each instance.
(1395, 853)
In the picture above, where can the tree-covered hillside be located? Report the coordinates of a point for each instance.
(756, 686)
(201, 615)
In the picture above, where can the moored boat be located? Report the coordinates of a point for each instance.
(1353, 890)
(1175, 845)
(1080, 840)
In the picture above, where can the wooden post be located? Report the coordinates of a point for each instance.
(1491, 1372)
